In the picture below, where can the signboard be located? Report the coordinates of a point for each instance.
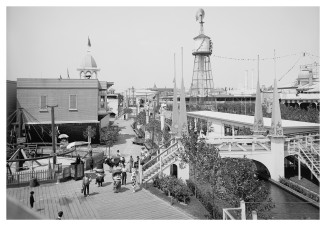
(21, 140)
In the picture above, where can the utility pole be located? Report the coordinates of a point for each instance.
(53, 132)
(133, 96)
(20, 122)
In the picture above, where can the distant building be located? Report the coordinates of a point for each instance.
(304, 91)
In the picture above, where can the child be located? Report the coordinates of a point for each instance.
(60, 214)
(133, 180)
(31, 199)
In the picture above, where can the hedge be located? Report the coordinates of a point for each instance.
(300, 189)
(206, 199)
(173, 186)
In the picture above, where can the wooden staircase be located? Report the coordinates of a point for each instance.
(307, 151)
(161, 161)
(310, 157)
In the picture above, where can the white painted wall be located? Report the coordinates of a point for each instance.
(182, 173)
(218, 129)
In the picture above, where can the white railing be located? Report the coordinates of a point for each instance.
(227, 215)
(311, 163)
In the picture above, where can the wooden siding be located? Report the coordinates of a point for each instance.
(87, 104)
(36, 83)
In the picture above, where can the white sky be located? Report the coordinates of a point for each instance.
(134, 46)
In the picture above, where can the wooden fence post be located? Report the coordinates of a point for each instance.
(243, 210)
(254, 215)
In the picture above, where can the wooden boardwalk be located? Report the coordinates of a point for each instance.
(102, 202)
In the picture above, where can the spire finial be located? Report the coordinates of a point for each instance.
(89, 42)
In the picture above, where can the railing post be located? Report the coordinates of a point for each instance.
(243, 210)
(254, 215)
(224, 215)
(140, 167)
(299, 168)
(160, 167)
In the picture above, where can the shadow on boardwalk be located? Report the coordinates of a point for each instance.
(123, 138)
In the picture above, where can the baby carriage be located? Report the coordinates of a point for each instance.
(116, 175)
(99, 177)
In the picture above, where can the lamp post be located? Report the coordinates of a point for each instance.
(133, 95)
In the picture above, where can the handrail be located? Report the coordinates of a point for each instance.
(312, 164)
(158, 156)
(226, 211)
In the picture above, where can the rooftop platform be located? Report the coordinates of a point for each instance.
(289, 127)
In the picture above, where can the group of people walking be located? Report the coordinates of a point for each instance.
(119, 169)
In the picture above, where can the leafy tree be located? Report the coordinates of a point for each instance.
(141, 118)
(239, 182)
(154, 127)
(89, 132)
(109, 135)
(230, 179)
(166, 135)
(190, 154)
(127, 111)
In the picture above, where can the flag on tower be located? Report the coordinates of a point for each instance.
(89, 42)
(68, 73)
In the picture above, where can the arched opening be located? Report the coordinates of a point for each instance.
(262, 170)
(174, 170)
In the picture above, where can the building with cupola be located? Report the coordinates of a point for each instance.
(79, 102)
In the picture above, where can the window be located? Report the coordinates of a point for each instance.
(73, 102)
(43, 103)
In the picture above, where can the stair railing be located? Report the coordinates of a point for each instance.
(312, 166)
(157, 157)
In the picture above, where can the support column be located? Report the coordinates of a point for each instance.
(140, 167)
(277, 151)
(299, 168)
(233, 131)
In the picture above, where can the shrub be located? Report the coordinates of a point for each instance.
(300, 189)
(177, 188)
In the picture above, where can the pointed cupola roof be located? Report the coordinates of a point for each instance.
(276, 126)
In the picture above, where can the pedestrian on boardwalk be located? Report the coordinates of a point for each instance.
(133, 180)
(118, 153)
(136, 164)
(91, 163)
(31, 199)
(78, 159)
(99, 179)
(123, 160)
(131, 163)
(124, 174)
(86, 181)
(60, 214)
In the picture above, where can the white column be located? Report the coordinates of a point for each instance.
(233, 130)
(243, 210)
(299, 169)
(277, 151)
(162, 117)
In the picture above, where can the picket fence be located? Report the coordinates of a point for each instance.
(40, 175)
